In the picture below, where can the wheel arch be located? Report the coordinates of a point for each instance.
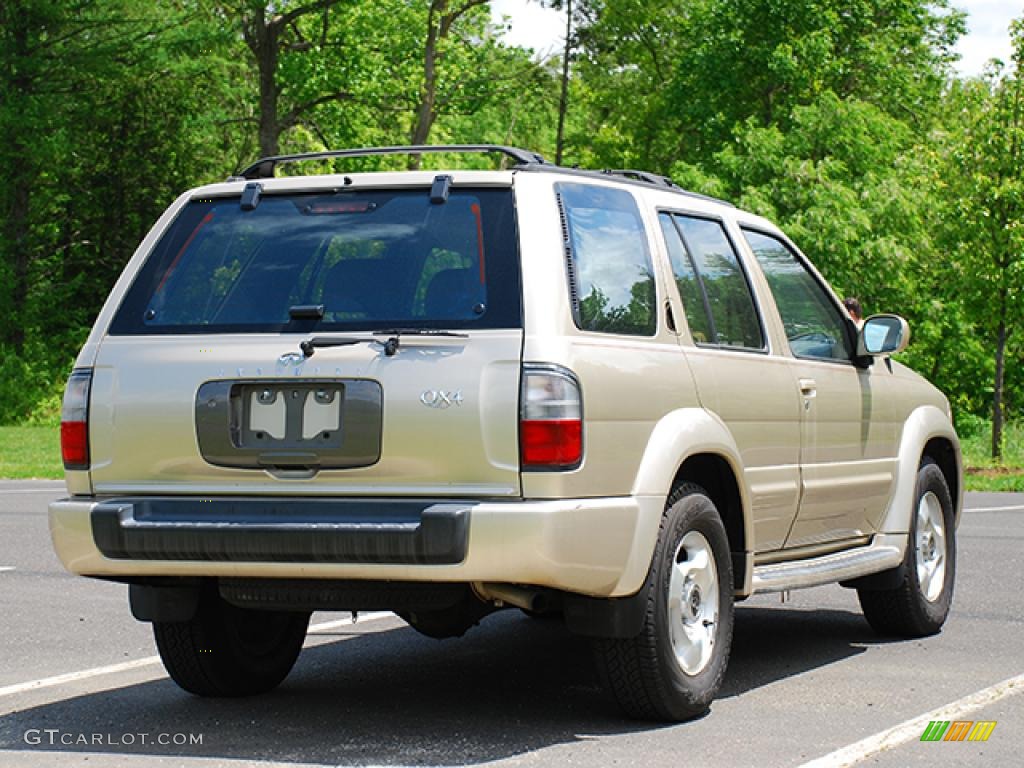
(928, 432)
(692, 445)
(947, 456)
(716, 476)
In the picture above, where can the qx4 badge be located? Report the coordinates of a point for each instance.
(438, 398)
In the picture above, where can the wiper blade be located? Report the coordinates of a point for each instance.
(419, 332)
(391, 345)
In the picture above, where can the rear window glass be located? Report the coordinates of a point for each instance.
(371, 259)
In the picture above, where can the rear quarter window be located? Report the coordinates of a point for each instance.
(609, 263)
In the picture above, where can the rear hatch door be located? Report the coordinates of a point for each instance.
(353, 340)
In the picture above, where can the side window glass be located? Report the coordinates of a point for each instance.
(686, 281)
(725, 290)
(610, 271)
(814, 325)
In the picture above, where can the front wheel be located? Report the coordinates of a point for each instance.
(918, 606)
(225, 650)
(675, 666)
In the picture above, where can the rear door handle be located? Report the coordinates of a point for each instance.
(808, 388)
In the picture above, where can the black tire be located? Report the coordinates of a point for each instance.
(225, 650)
(906, 610)
(643, 673)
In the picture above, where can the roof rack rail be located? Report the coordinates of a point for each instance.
(645, 176)
(264, 167)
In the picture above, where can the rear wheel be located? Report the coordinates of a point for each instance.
(675, 666)
(225, 650)
(918, 606)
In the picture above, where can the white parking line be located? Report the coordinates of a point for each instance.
(912, 729)
(71, 677)
(6, 568)
(85, 674)
(1015, 508)
(327, 626)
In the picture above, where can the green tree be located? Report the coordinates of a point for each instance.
(671, 81)
(414, 72)
(275, 30)
(109, 110)
(986, 173)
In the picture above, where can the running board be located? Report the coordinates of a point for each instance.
(828, 569)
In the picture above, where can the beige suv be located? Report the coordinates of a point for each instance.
(589, 394)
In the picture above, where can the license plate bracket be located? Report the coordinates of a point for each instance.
(289, 416)
(292, 423)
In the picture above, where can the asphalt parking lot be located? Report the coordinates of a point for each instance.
(808, 680)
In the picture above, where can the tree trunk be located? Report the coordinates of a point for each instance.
(425, 114)
(263, 37)
(563, 99)
(997, 394)
(266, 60)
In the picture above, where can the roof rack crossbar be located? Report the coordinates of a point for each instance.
(264, 167)
(630, 177)
(647, 176)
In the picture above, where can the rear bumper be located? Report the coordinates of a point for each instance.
(600, 547)
(238, 530)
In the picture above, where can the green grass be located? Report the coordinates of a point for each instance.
(983, 474)
(30, 452)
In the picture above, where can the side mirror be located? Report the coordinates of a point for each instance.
(883, 335)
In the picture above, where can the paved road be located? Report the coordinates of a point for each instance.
(806, 678)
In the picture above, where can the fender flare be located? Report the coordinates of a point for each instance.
(678, 436)
(924, 424)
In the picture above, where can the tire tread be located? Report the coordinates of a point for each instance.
(900, 612)
(629, 668)
(199, 655)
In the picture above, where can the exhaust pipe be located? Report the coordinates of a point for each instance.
(532, 600)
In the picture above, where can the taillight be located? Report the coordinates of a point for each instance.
(551, 421)
(74, 421)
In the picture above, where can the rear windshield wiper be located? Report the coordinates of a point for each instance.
(419, 332)
(309, 346)
(391, 345)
